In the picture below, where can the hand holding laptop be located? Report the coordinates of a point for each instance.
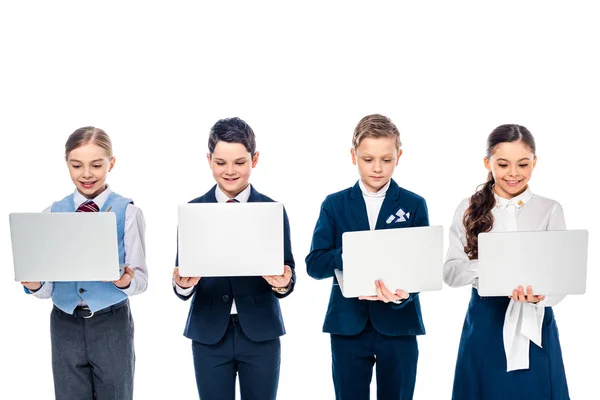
(32, 286)
(184, 282)
(519, 295)
(280, 281)
(125, 279)
(383, 294)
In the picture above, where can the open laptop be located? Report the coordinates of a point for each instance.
(65, 246)
(237, 239)
(551, 262)
(410, 259)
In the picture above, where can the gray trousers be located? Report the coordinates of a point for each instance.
(93, 358)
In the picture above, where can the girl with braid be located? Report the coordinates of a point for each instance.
(509, 346)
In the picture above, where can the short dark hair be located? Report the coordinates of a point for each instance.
(232, 130)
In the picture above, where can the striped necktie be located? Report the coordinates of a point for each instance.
(233, 201)
(88, 206)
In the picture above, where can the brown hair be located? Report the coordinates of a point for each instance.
(478, 216)
(86, 135)
(375, 126)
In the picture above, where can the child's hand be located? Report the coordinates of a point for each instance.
(280, 281)
(32, 286)
(519, 295)
(383, 294)
(184, 283)
(126, 278)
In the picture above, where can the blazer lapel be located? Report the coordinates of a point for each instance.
(359, 208)
(254, 195)
(210, 196)
(390, 205)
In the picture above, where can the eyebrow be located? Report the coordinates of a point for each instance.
(522, 159)
(237, 159)
(96, 160)
(383, 156)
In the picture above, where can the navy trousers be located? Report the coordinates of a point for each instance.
(256, 363)
(353, 358)
(481, 365)
(93, 358)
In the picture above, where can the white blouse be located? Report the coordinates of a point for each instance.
(522, 321)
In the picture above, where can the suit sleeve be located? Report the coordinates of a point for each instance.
(183, 294)
(287, 255)
(324, 257)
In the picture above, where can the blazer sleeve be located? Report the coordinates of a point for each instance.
(324, 257)
(177, 289)
(287, 255)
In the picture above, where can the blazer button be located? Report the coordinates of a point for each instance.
(81, 290)
(225, 298)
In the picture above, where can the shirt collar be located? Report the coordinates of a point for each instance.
(518, 201)
(380, 194)
(79, 199)
(242, 197)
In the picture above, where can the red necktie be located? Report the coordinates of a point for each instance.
(88, 206)
(233, 201)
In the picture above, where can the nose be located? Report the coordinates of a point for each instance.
(377, 166)
(513, 171)
(87, 172)
(230, 170)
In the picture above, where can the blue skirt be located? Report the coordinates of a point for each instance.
(481, 365)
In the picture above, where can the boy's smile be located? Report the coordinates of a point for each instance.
(231, 165)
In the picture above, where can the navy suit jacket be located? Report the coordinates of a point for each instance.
(257, 304)
(345, 211)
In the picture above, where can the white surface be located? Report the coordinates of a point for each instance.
(157, 75)
(238, 239)
(409, 259)
(551, 262)
(64, 246)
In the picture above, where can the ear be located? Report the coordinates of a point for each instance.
(398, 158)
(111, 163)
(209, 159)
(486, 163)
(534, 161)
(353, 154)
(255, 159)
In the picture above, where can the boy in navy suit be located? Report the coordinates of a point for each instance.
(235, 323)
(379, 328)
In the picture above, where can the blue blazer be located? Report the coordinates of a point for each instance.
(345, 211)
(257, 304)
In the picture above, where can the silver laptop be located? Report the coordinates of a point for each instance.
(551, 262)
(237, 239)
(64, 246)
(410, 259)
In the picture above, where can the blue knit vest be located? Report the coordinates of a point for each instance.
(97, 295)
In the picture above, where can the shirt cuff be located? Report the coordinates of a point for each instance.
(182, 291)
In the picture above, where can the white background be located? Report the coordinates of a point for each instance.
(157, 76)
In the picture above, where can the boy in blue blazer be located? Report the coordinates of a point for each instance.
(379, 328)
(235, 323)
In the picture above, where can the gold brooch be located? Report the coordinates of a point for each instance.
(520, 202)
